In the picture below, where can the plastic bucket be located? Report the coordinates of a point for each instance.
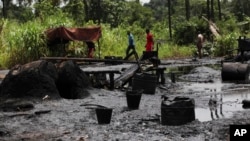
(133, 98)
(246, 103)
(103, 115)
(144, 81)
(177, 111)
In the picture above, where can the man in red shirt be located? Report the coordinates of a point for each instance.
(150, 41)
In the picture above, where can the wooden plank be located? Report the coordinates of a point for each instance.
(111, 75)
(101, 71)
(89, 60)
(126, 76)
(128, 73)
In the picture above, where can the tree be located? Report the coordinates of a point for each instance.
(212, 10)
(75, 9)
(93, 10)
(86, 10)
(6, 4)
(219, 8)
(160, 8)
(208, 9)
(46, 8)
(240, 8)
(187, 5)
(135, 13)
(112, 11)
(20, 13)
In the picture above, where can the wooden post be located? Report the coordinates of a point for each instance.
(99, 50)
(111, 77)
(172, 77)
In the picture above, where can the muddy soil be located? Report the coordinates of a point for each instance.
(72, 120)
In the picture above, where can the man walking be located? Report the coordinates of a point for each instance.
(150, 41)
(131, 44)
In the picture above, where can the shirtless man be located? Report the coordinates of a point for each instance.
(200, 40)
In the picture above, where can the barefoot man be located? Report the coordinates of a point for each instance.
(200, 40)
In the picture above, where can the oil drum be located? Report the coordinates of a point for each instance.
(177, 111)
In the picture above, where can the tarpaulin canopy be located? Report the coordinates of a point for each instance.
(63, 34)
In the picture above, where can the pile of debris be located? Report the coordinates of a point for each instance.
(41, 79)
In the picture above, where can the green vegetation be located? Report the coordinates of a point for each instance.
(22, 35)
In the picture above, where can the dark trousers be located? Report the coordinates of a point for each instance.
(129, 48)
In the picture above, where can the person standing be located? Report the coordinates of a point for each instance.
(150, 41)
(91, 49)
(200, 41)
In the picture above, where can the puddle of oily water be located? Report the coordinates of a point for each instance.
(227, 103)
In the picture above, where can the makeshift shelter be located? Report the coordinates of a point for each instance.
(63, 35)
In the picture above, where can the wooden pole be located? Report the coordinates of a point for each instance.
(99, 50)
(90, 60)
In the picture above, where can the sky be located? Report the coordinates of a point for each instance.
(144, 1)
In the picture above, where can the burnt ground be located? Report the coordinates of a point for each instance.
(71, 120)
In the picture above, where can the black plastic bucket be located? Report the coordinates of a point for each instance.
(177, 111)
(103, 115)
(246, 103)
(133, 98)
(144, 81)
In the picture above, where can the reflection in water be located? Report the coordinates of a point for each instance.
(214, 105)
(225, 100)
(221, 106)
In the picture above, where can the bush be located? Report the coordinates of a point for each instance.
(226, 44)
(185, 31)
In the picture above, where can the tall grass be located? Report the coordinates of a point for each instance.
(25, 42)
(3, 53)
(114, 42)
(22, 43)
(172, 51)
(226, 44)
